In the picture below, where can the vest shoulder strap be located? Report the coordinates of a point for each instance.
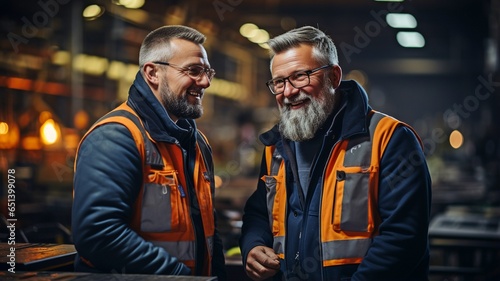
(366, 150)
(149, 151)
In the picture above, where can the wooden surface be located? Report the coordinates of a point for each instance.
(34, 256)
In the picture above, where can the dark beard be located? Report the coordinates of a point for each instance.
(179, 106)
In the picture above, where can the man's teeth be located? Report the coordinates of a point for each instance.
(296, 103)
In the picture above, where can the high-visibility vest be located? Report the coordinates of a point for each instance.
(162, 211)
(348, 216)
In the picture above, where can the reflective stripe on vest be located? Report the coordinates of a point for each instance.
(348, 216)
(275, 190)
(185, 250)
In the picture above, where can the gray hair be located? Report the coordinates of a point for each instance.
(323, 48)
(156, 45)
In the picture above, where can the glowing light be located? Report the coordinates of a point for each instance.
(49, 132)
(4, 128)
(92, 12)
(61, 58)
(264, 46)
(93, 65)
(456, 139)
(9, 135)
(410, 39)
(247, 29)
(401, 20)
(132, 4)
(260, 36)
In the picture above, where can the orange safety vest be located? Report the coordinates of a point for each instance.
(162, 214)
(349, 224)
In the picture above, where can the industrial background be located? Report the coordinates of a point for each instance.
(431, 64)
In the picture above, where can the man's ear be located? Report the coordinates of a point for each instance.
(150, 74)
(336, 76)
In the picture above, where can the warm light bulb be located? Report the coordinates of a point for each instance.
(456, 139)
(4, 128)
(48, 132)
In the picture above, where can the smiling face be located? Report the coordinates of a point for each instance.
(178, 92)
(304, 110)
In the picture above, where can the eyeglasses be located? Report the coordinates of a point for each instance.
(298, 80)
(193, 71)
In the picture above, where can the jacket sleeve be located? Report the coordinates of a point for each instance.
(256, 230)
(108, 177)
(401, 250)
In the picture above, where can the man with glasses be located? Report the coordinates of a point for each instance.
(344, 191)
(144, 182)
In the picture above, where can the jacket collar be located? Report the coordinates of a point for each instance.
(154, 115)
(355, 106)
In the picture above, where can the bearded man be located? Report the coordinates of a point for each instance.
(144, 179)
(344, 191)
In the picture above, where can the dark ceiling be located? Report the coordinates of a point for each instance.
(453, 29)
(458, 36)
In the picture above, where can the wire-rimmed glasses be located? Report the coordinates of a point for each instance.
(193, 71)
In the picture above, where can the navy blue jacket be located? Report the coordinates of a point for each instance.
(106, 186)
(399, 252)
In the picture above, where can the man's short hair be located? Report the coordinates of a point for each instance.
(323, 47)
(156, 45)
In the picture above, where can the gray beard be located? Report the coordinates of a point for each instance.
(179, 106)
(302, 124)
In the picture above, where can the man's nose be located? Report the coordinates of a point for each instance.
(203, 81)
(289, 90)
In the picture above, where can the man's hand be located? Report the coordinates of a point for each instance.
(262, 263)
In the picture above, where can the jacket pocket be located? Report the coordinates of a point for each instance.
(163, 203)
(351, 203)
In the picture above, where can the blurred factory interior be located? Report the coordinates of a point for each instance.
(432, 64)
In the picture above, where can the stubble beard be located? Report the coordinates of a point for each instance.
(178, 105)
(302, 124)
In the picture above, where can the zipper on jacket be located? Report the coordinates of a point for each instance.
(296, 270)
(297, 255)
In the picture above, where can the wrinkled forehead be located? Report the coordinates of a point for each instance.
(296, 56)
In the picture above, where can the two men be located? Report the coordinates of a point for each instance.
(336, 199)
